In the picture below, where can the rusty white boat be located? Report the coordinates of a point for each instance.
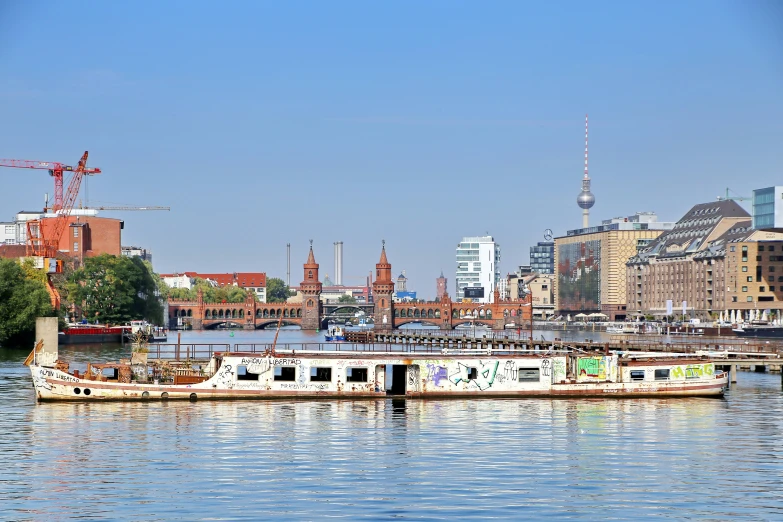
(356, 375)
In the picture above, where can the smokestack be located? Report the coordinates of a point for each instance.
(338, 268)
(288, 264)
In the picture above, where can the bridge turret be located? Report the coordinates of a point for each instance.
(311, 294)
(383, 290)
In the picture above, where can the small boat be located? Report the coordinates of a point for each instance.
(142, 331)
(335, 334)
(614, 329)
(770, 332)
(319, 374)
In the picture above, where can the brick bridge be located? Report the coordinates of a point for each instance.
(311, 314)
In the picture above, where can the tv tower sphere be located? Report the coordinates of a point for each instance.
(585, 199)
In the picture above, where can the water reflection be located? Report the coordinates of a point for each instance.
(392, 457)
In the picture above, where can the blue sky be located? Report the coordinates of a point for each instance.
(266, 123)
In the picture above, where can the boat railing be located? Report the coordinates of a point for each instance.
(185, 351)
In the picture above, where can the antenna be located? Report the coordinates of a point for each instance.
(288, 264)
(586, 176)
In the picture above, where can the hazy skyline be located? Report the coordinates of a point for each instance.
(263, 124)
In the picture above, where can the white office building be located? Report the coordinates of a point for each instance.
(478, 266)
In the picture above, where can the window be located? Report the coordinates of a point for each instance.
(75, 246)
(758, 258)
(762, 289)
(771, 248)
(771, 288)
(744, 288)
(732, 248)
(750, 279)
(528, 374)
(472, 374)
(772, 269)
(637, 375)
(750, 298)
(744, 259)
(662, 375)
(356, 375)
(761, 248)
(780, 279)
(744, 249)
(734, 299)
(319, 374)
(75, 232)
(744, 269)
(285, 373)
(244, 375)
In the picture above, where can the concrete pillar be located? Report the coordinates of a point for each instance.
(733, 373)
(46, 331)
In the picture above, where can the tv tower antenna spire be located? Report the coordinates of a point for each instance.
(585, 200)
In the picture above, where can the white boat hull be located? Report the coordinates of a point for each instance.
(248, 376)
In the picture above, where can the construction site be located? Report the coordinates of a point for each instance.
(64, 229)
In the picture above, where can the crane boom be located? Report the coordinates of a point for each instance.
(130, 208)
(55, 169)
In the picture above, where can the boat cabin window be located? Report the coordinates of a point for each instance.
(637, 375)
(285, 373)
(356, 374)
(472, 374)
(662, 375)
(109, 373)
(528, 374)
(244, 375)
(319, 374)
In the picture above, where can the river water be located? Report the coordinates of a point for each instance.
(588, 459)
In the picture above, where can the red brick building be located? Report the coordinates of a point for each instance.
(88, 236)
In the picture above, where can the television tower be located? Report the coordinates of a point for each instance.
(585, 200)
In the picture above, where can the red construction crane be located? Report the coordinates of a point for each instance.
(43, 240)
(55, 169)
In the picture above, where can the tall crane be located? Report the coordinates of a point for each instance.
(42, 241)
(55, 169)
(727, 197)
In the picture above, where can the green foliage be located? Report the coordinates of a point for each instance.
(277, 291)
(22, 299)
(116, 290)
(347, 299)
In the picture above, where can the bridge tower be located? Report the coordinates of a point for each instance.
(311, 294)
(382, 290)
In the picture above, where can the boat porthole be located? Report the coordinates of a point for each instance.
(193, 397)
(164, 395)
(86, 391)
(145, 395)
(77, 391)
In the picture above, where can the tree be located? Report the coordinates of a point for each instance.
(116, 290)
(22, 299)
(347, 299)
(277, 291)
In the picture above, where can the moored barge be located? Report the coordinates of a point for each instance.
(357, 375)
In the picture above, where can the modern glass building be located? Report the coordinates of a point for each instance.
(768, 208)
(542, 258)
(478, 265)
